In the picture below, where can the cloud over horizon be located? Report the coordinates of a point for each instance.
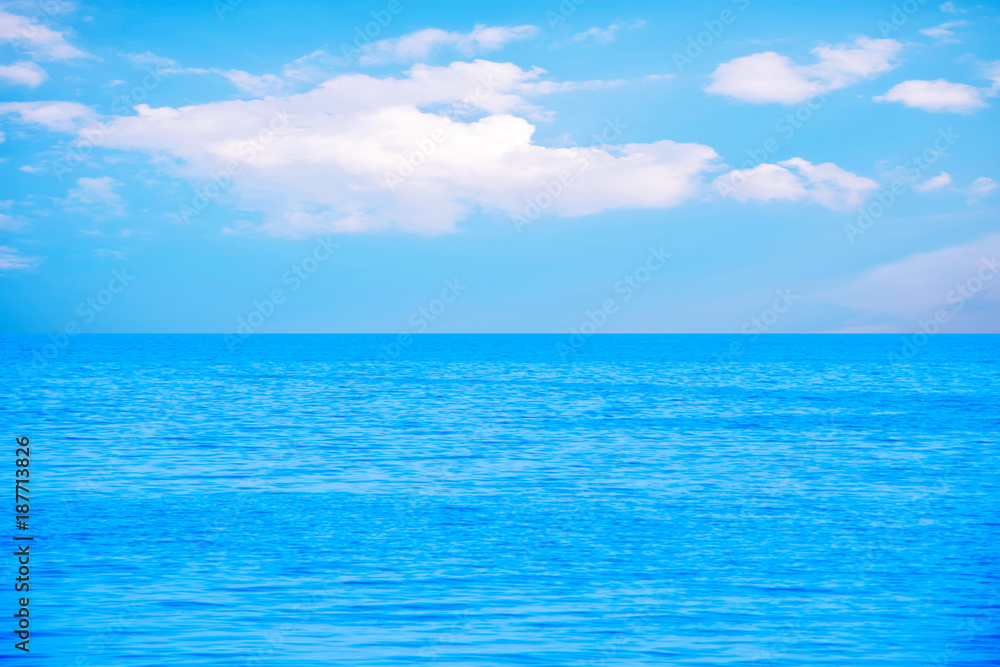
(962, 280)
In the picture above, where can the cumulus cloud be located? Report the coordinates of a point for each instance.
(944, 33)
(418, 153)
(41, 42)
(96, 196)
(936, 96)
(796, 180)
(12, 260)
(24, 73)
(60, 116)
(897, 296)
(933, 183)
(772, 77)
(606, 35)
(420, 45)
(949, 8)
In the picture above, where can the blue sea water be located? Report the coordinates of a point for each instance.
(483, 500)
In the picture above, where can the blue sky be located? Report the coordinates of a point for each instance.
(414, 166)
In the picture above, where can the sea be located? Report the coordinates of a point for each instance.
(481, 500)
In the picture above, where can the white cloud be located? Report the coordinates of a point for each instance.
(12, 260)
(772, 77)
(40, 41)
(897, 296)
(981, 188)
(25, 73)
(419, 45)
(992, 72)
(332, 167)
(96, 196)
(309, 68)
(62, 116)
(933, 183)
(3, 137)
(150, 59)
(943, 34)
(103, 253)
(936, 96)
(7, 221)
(258, 85)
(796, 180)
(949, 8)
(606, 35)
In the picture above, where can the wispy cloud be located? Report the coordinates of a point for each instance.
(40, 41)
(420, 45)
(307, 69)
(944, 33)
(896, 296)
(12, 260)
(96, 197)
(933, 183)
(981, 188)
(7, 221)
(606, 35)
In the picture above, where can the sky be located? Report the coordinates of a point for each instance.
(410, 166)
